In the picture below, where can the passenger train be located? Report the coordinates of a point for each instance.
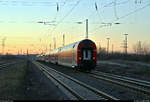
(81, 55)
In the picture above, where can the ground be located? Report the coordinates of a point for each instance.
(23, 81)
(139, 70)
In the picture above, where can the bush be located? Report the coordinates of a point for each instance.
(120, 56)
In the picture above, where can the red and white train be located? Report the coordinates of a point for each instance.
(81, 55)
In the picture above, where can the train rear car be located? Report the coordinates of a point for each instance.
(86, 55)
(81, 55)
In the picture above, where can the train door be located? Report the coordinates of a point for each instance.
(87, 54)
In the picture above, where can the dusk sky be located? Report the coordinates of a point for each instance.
(107, 18)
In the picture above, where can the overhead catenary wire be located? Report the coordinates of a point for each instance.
(27, 3)
(58, 9)
(138, 1)
(122, 2)
(134, 11)
(100, 18)
(111, 4)
(65, 16)
(115, 11)
(96, 7)
(128, 14)
(97, 10)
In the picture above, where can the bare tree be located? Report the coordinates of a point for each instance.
(141, 48)
(146, 48)
(102, 50)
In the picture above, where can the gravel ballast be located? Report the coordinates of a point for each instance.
(109, 88)
(125, 68)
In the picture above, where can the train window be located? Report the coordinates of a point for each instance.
(87, 54)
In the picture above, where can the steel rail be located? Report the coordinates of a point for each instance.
(2, 62)
(62, 83)
(6, 64)
(145, 84)
(128, 78)
(98, 92)
(120, 83)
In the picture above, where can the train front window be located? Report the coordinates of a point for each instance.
(87, 54)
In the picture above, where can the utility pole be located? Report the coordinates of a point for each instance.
(21, 51)
(108, 45)
(139, 48)
(46, 48)
(3, 44)
(112, 48)
(50, 46)
(18, 52)
(99, 48)
(27, 52)
(63, 39)
(86, 29)
(125, 44)
(54, 43)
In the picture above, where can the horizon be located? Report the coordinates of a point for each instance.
(32, 25)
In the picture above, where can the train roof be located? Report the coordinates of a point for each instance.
(84, 41)
(81, 41)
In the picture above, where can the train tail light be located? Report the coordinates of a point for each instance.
(95, 55)
(93, 58)
(79, 58)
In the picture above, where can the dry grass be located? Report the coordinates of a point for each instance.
(133, 70)
(11, 81)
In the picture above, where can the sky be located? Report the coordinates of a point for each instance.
(33, 24)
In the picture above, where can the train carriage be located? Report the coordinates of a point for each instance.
(81, 55)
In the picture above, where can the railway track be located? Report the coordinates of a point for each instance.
(135, 84)
(2, 62)
(3, 65)
(6, 64)
(78, 89)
